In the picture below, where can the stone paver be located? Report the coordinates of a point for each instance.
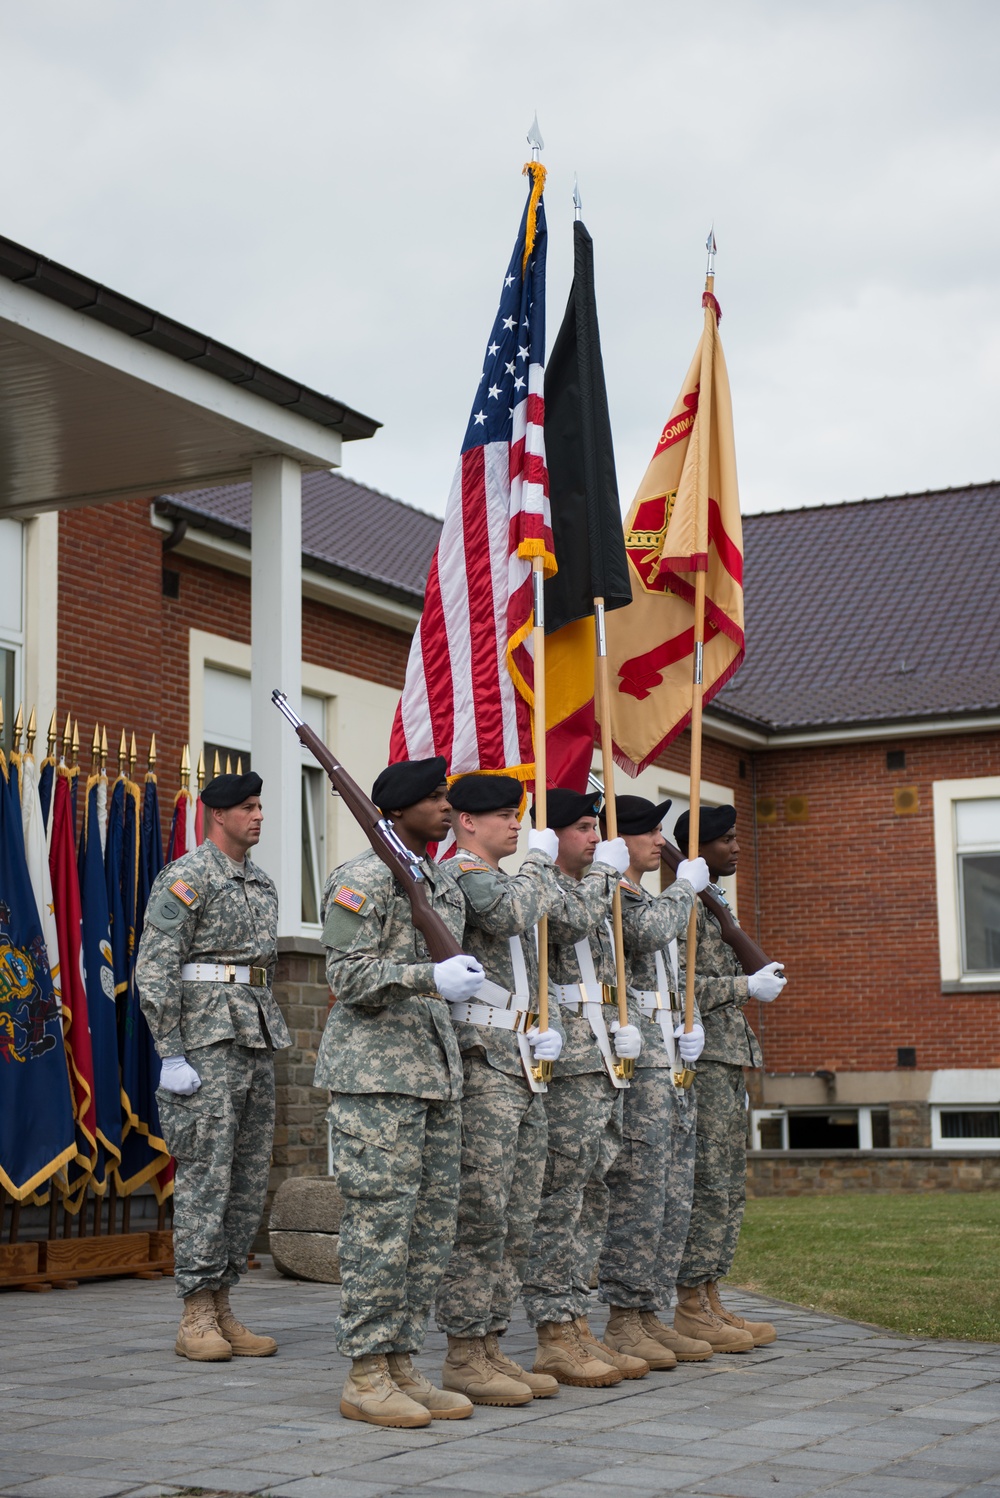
(95, 1404)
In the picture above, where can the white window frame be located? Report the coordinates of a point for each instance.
(946, 793)
(13, 638)
(863, 1110)
(938, 1142)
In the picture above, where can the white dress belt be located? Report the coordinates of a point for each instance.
(224, 972)
(491, 1017)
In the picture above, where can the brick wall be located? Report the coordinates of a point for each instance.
(123, 646)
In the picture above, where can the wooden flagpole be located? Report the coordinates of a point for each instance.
(698, 674)
(542, 1070)
(625, 1067)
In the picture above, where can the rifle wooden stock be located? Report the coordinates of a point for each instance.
(440, 943)
(751, 957)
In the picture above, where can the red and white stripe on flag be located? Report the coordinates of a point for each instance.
(469, 678)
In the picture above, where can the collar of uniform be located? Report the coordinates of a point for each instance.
(228, 865)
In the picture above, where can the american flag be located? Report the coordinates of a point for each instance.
(469, 677)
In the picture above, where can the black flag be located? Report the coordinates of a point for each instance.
(587, 533)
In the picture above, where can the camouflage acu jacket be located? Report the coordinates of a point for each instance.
(649, 923)
(500, 906)
(720, 989)
(388, 1030)
(202, 909)
(586, 914)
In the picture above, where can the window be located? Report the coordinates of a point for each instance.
(11, 624)
(227, 733)
(977, 1127)
(820, 1128)
(967, 853)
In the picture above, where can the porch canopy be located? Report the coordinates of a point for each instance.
(102, 398)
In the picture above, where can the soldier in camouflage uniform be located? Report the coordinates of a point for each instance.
(504, 1130)
(722, 990)
(205, 964)
(583, 1108)
(391, 1060)
(652, 1180)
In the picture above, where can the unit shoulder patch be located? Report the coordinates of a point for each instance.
(350, 899)
(184, 892)
(469, 866)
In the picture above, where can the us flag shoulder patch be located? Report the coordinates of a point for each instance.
(184, 892)
(351, 899)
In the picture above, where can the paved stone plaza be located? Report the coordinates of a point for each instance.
(95, 1403)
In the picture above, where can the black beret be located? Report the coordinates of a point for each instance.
(636, 814)
(410, 781)
(231, 790)
(485, 793)
(566, 807)
(713, 822)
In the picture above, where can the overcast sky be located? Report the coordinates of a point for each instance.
(334, 189)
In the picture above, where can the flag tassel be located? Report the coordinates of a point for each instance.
(624, 1067)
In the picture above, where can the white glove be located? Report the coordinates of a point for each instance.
(545, 1044)
(543, 841)
(177, 1076)
(767, 984)
(690, 1046)
(615, 853)
(628, 1041)
(457, 978)
(695, 871)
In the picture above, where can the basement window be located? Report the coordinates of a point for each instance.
(957, 1128)
(820, 1128)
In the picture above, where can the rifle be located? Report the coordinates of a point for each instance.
(750, 957)
(397, 857)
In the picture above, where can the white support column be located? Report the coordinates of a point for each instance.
(276, 661)
(41, 623)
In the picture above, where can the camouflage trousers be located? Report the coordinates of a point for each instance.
(650, 1185)
(585, 1134)
(504, 1136)
(220, 1138)
(720, 1173)
(396, 1161)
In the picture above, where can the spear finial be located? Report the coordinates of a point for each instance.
(67, 737)
(535, 139)
(201, 770)
(133, 755)
(151, 762)
(239, 764)
(95, 747)
(32, 730)
(229, 765)
(185, 768)
(710, 247)
(577, 200)
(52, 736)
(18, 727)
(122, 754)
(76, 741)
(104, 748)
(217, 767)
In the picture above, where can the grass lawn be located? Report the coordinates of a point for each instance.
(927, 1265)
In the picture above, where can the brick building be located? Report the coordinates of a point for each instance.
(860, 743)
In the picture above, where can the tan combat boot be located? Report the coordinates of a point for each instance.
(468, 1371)
(198, 1336)
(442, 1403)
(540, 1384)
(627, 1365)
(370, 1394)
(684, 1349)
(562, 1354)
(625, 1333)
(244, 1344)
(763, 1332)
(695, 1318)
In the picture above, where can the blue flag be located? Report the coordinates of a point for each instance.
(144, 1153)
(37, 1133)
(100, 976)
(45, 779)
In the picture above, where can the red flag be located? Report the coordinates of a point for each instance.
(76, 1026)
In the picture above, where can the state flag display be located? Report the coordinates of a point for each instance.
(36, 1113)
(586, 525)
(469, 679)
(100, 980)
(685, 519)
